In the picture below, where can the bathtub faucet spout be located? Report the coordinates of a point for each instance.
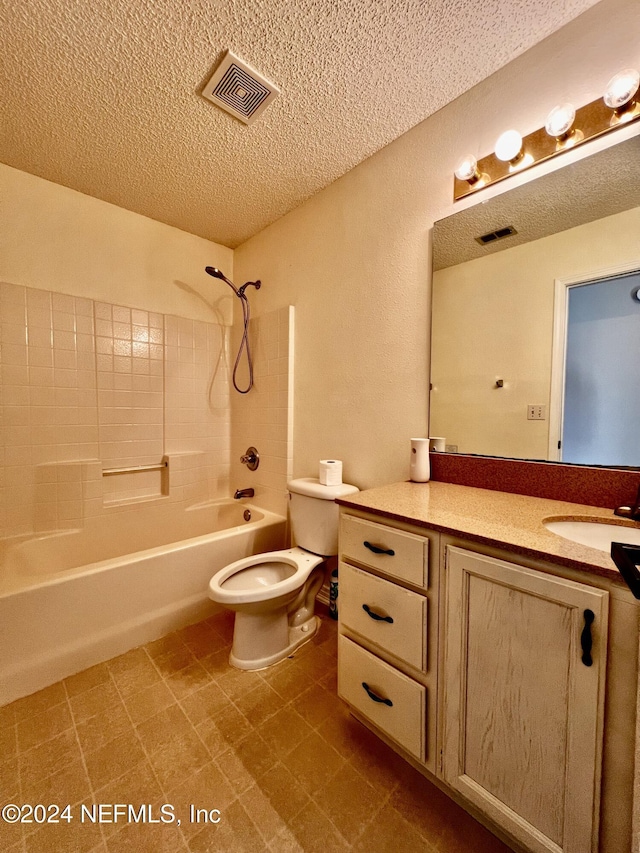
(243, 493)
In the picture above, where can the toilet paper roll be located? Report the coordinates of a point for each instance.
(436, 442)
(330, 473)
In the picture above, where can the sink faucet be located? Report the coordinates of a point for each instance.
(630, 511)
(243, 493)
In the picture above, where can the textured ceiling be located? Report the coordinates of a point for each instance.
(104, 97)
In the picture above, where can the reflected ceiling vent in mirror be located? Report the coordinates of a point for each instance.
(498, 234)
(237, 88)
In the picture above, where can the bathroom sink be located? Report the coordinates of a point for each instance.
(593, 533)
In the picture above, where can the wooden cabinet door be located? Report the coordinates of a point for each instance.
(522, 711)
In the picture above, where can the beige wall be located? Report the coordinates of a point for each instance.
(60, 240)
(493, 318)
(354, 260)
(360, 361)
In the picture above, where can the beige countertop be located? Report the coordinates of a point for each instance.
(513, 522)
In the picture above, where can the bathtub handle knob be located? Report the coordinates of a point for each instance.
(251, 458)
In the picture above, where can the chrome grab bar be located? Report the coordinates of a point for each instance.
(133, 469)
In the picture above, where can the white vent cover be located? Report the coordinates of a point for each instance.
(239, 89)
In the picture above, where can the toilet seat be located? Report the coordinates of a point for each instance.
(301, 562)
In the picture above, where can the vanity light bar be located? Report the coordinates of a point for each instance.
(565, 128)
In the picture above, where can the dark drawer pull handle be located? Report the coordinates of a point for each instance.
(375, 697)
(586, 640)
(376, 616)
(377, 550)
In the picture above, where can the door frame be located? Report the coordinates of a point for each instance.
(559, 343)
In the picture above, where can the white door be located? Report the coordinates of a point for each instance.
(598, 392)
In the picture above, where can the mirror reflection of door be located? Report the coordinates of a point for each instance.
(601, 400)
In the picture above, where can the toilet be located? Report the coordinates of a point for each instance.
(273, 594)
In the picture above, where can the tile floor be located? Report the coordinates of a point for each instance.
(171, 722)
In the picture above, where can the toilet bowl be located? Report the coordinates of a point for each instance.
(273, 594)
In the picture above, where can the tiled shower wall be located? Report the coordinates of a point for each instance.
(89, 385)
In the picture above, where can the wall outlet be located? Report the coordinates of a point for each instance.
(536, 413)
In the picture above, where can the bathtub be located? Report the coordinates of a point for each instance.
(73, 598)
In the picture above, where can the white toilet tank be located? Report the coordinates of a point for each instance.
(314, 514)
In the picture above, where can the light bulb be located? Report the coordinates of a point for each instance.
(621, 88)
(467, 169)
(509, 146)
(560, 120)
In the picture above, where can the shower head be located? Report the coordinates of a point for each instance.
(239, 291)
(216, 273)
(246, 313)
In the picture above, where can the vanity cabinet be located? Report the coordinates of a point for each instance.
(523, 694)
(387, 647)
(507, 680)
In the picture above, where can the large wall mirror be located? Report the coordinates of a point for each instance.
(535, 348)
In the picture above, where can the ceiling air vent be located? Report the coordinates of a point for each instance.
(498, 234)
(239, 89)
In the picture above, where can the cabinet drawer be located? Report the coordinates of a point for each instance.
(393, 702)
(386, 614)
(395, 552)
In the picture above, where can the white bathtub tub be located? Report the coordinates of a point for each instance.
(75, 598)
